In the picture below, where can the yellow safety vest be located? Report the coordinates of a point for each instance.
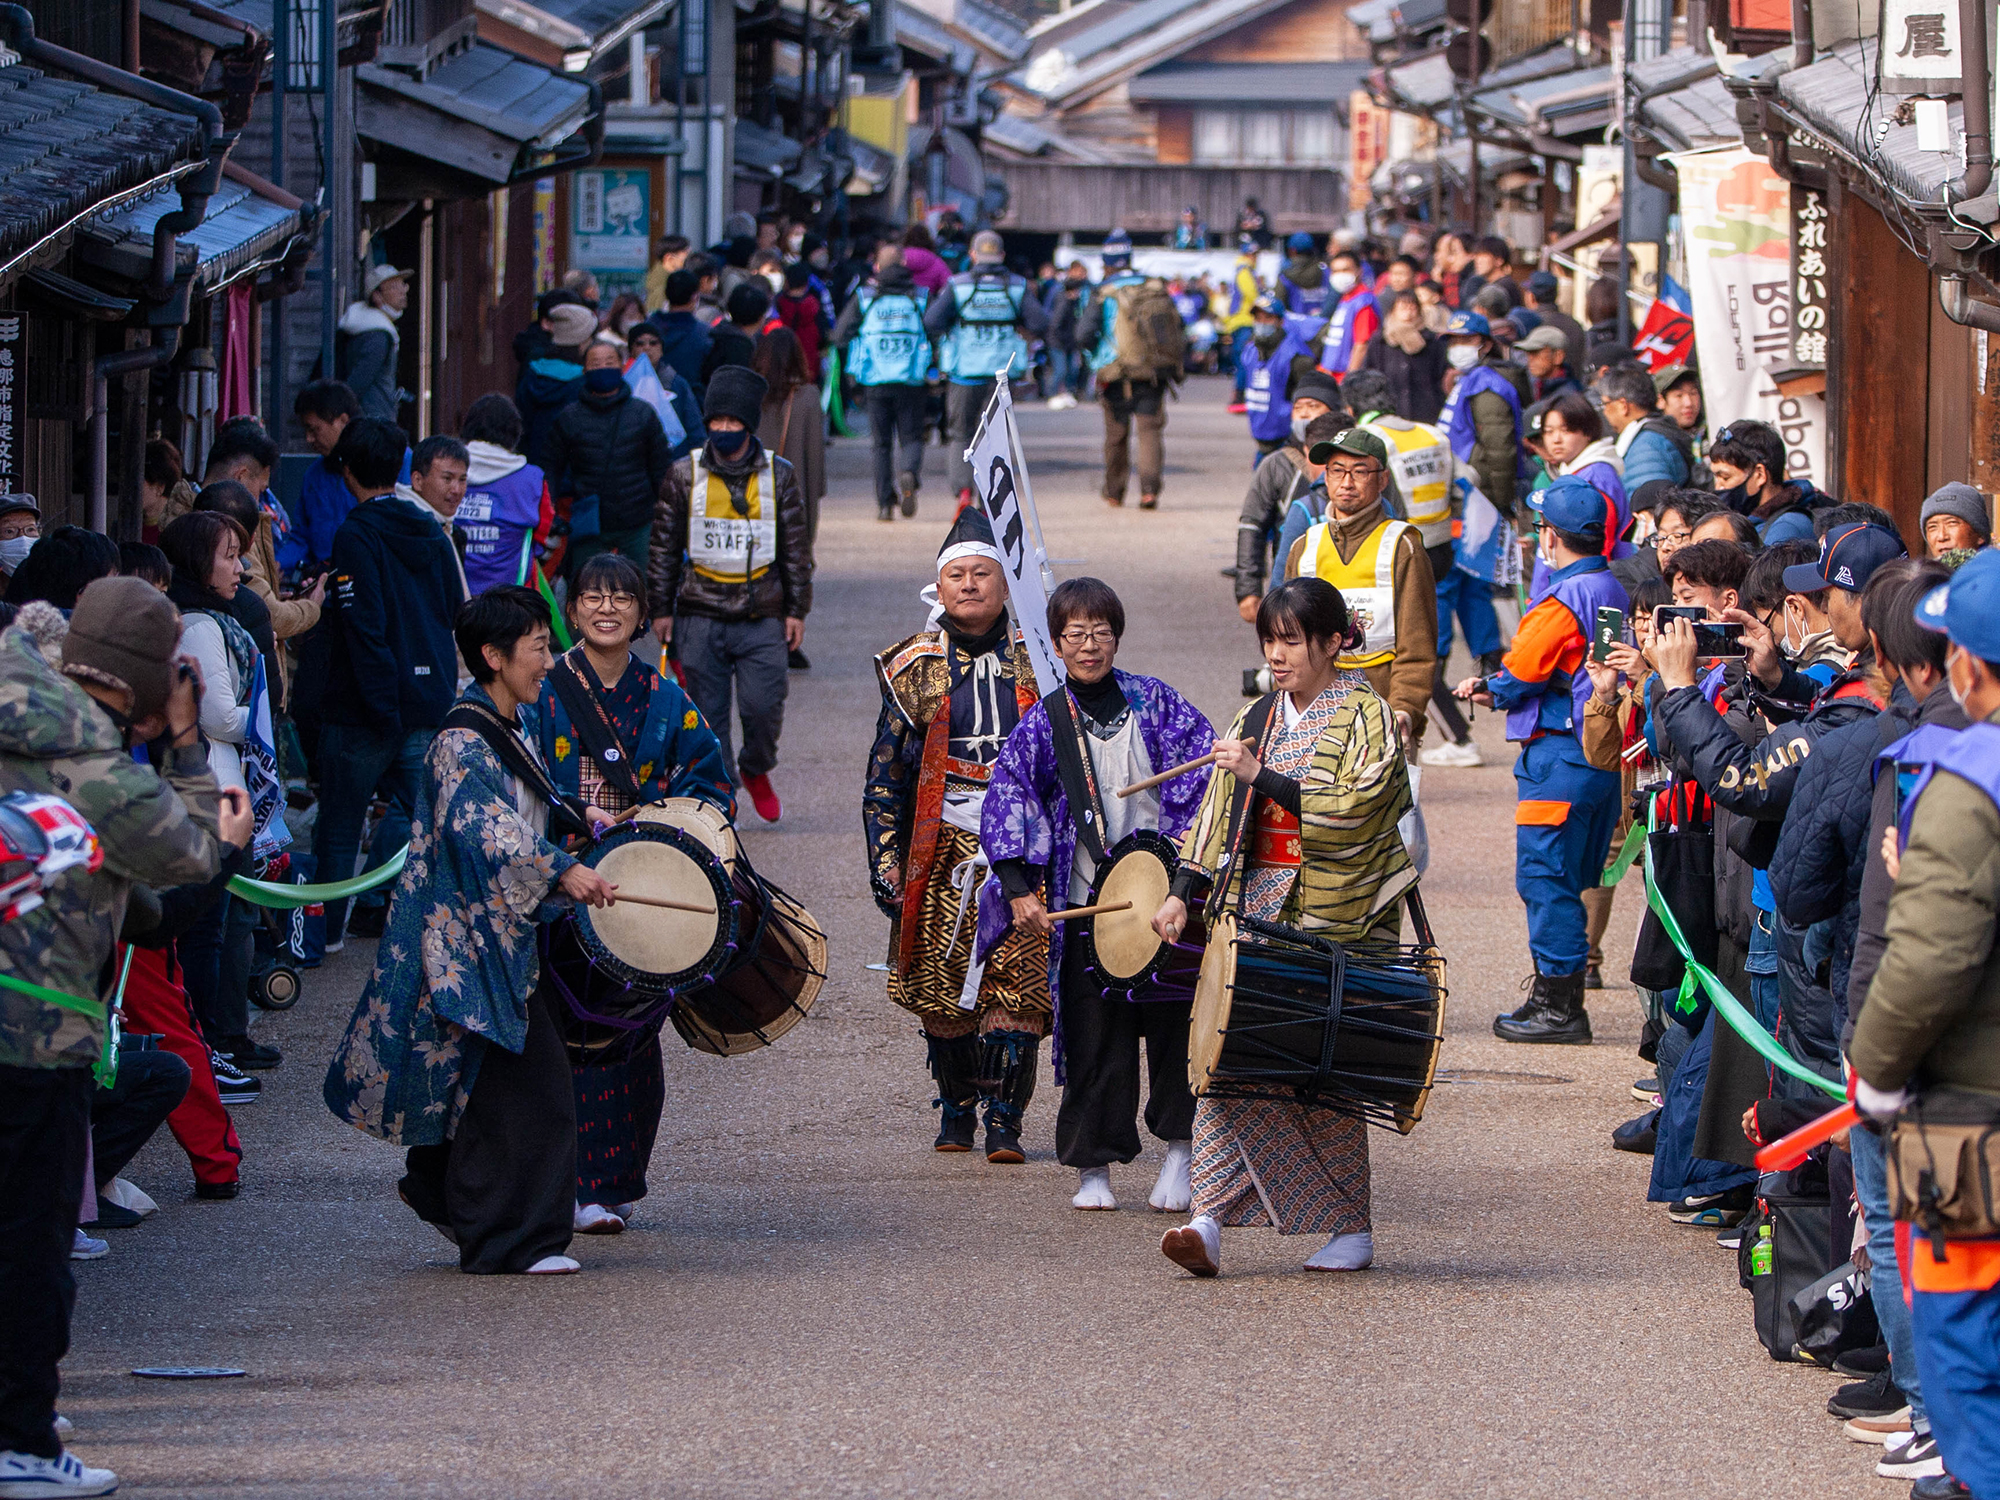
(1367, 582)
(1420, 458)
(723, 544)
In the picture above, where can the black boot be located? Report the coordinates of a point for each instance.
(954, 1063)
(1554, 1013)
(1008, 1064)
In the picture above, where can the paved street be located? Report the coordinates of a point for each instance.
(813, 1303)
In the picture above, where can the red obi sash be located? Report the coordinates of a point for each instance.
(1274, 841)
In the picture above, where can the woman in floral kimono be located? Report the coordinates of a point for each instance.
(453, 1052)
(1314, 821)
(614, 732)
(1123, 728)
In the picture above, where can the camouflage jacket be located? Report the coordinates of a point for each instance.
(156, 829)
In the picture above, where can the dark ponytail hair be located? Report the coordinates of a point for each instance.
(1311, 608)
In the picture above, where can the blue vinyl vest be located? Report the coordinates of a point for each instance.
(1338, 351)
(1456, 418)
(1264, 388)
(1972, 752)
(1559, 708)
(890, 347)
(1309, 300)
(979, 345)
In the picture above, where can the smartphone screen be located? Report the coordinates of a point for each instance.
(1610, 632)
(1712, 638)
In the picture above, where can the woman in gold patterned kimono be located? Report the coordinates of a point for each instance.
(1319, 852)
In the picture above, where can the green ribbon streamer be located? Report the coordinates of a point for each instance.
(1635, 841)
(1726, 1005)
(281, 897)
(106, 1068)
(829, 398)
(92, 1009)
(114, 1034)
(555, 610)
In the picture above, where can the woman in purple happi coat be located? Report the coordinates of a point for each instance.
(1132, 726)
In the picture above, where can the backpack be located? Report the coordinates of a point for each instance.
(1150, 337)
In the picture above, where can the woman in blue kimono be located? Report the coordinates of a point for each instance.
(452, 1051)
(1129, 727)
(616, 732)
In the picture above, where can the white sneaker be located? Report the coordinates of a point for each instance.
(1060, 401)
(553, 1265)
(1172, 1193)
(595, 1218)
(1344, 1252)
(22, 1474)
(64, 1426)
(1196, 1246)
(83, 1247)
(128, 1195)
(1094, 1189)
(1448, 754)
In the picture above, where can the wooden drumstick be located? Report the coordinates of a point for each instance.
(1089, 911)
(1171, 772)
(662, 903)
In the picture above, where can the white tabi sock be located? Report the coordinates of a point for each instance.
(1094, 1189)
(1172, 1193)
(553, 1265)
(1345, 1252)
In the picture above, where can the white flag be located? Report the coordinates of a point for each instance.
(1001, 484)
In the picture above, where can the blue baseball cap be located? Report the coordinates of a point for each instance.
(1848, 558)
(1968, 607)
(1469, 322)
(1572, 504)
(1300, 243)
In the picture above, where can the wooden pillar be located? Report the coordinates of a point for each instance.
(1985, 400)
(1880, 405)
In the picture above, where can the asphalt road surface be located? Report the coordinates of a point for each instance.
(813, 1303)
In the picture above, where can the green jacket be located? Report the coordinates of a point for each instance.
(1932, 1016)
(155, 829)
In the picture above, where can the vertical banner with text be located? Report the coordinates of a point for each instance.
(1736, 216)
(1001, 485)
(10, 401)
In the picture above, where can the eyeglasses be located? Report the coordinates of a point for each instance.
(1676, 537)
(1101, 636)
(1345, 471)
(607, 601)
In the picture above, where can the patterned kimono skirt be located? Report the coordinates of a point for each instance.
(1296, 1167)
(618, 1108)
(1016, 982)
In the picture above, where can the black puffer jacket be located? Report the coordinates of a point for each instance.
(1872, 903)
(1817, 867)
(1756, 783)
(784, 591)
(611, 446)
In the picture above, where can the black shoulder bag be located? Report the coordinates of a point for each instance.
(1079, 784)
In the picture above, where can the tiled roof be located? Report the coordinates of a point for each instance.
(65, 146)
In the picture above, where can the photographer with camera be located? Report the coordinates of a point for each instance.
(71, 732)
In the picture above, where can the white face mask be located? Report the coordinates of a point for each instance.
(14, 551)
(1299, 425)
(1462, 356)
(777, 280)
(1343, 281)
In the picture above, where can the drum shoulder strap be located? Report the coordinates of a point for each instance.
(1073, 768)
(565, 814)
(1257, 726)
(594, 727)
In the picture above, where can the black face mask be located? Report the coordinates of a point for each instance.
(1266, 338)
(728, 444)
(603, 382)
(1736, 497)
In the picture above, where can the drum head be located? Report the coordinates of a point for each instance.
(1212, 999)
(1124, 941)
(655, 947)
(692, 815)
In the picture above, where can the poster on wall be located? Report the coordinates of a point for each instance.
(1736, 221)
(610, 226)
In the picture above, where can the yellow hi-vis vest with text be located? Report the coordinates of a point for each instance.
(726, 545)
(1367, 581)
(1420, 458)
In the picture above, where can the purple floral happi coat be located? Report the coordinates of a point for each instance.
(1027, 814)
